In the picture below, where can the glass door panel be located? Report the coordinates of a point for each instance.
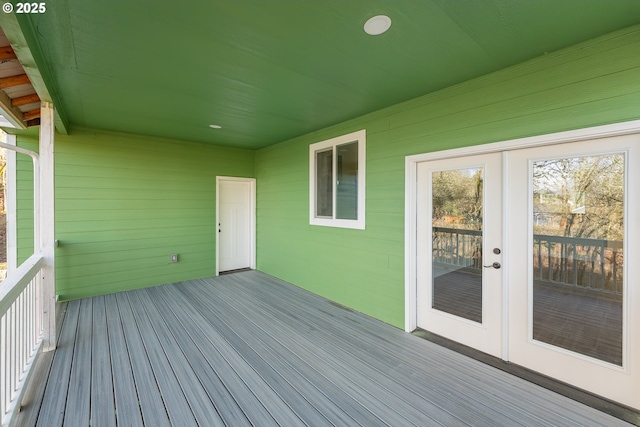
(457, 211)
(578, 229)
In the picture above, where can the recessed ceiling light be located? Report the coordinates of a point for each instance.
(215, 126)
(377, 25)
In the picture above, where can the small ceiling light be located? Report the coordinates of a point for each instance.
(215, 126)
(377, 25)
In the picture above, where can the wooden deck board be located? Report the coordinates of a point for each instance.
(310, 400)
(77, 411)
(248, 349)
(458, 293)
(342, 410)
(103, 410)
(452, 368)
(203, 410)
(124, 387)
(175, 402)
(34, 393)
(580, 320)
(352, 377)
(150, 399)
(255, 411)
(590, 323)
(51, 413)
(365, 357)
(263, 391)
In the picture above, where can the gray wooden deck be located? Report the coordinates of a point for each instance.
(250, 350)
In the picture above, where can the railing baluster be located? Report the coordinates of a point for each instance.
(602, 272)
(12, 347)
(3, 364)
(614, 257)
(549, 262)
(19, 337)
(575, 265)
(20, 333)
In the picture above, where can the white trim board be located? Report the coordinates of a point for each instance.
(596, 132)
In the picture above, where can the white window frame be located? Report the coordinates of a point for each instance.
(359, 223)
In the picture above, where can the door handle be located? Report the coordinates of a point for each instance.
(495, 265)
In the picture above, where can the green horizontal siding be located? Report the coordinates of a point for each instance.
(24, 202)
(590, 84)
(125, 203)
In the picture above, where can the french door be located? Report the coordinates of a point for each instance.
(527, 254)
(574, 289)
(459, 226)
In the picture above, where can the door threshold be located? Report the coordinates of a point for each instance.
(237, 270)
(602, 404)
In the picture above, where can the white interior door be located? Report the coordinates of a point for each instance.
(235, 224)
(459, 250)
(574, 239)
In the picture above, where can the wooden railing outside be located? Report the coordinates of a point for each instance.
(590, 264)
(460, 248)
(20, 333)
(593, 264)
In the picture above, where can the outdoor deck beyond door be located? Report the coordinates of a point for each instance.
(248, 349)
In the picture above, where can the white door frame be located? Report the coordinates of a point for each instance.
(252, 215)
(411, 184)
(485, 335)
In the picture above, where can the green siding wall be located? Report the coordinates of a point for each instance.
(594, 83)
(124, 203)
(24, 201)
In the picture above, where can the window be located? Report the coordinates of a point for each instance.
(337, 175)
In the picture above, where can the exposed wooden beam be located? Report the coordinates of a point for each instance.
(6, 52)
(20, 79)
(12, 114)
(24, 100)
(33, 122)
(33, 114)
(30, 56)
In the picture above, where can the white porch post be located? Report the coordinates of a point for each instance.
(45, 213)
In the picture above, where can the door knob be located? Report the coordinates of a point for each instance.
(495, 265)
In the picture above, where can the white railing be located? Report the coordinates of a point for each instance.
(21, 326)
